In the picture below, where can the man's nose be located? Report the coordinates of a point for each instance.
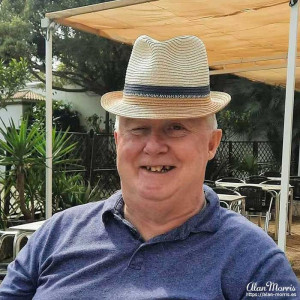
(155, 144)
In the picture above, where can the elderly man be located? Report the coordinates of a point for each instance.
(164, 235)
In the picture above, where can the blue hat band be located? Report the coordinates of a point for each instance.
(165, 91)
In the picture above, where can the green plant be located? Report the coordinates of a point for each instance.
(216, 170)
(234, 123)
(64, 116)
(71, 190)
(95, 122)
(23, 149)
(18, 150)
(248, 164)
(61, 148)
(13, 76)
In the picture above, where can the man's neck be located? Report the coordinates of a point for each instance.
(155, 218)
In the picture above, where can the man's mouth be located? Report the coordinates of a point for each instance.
(158, 169)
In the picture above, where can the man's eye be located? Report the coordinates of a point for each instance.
(176, 130)
(177, 127)
(139, 130)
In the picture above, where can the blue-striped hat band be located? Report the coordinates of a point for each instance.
(165, 91)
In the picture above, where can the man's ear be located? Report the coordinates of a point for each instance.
(116, 137)
(214, 143)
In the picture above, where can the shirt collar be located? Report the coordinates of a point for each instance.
(113, 205)
(206, 220)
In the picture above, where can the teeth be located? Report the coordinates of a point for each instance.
(156, 169)
(161, 169)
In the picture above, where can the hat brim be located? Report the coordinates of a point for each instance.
(173, 109)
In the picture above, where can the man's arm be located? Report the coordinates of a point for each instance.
(273, 279)
(21, 279)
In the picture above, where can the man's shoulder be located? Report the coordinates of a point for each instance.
(231, 225)
(235, 227)
(81, 215)
(249, 244)
(91, 207)
(239, 228)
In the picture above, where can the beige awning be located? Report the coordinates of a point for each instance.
(248, 38)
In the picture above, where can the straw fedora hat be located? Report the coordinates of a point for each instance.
(166, 80)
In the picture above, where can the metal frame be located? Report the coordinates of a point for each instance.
(288, 125)
(45, 23)
(289, 104)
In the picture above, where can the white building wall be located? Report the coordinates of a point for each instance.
(11, 112)
(87, 103)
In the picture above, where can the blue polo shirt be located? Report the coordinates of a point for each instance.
(92, 252)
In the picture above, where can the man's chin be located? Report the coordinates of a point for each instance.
(155, 193)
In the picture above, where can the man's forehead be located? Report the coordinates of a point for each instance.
(126, 121)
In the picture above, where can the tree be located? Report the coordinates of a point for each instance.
(93, 63)
(13, 76)
(233, 124)
(260, 107)
(64, 116)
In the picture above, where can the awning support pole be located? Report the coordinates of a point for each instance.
(288, 124)
(50, 27)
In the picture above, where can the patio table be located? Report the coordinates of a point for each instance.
(274, 178)
(270, 187)
(21, 231)
(29, 227)
(233, 201)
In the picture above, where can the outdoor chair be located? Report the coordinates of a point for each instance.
(256, 179)
(295, 183)
(7, 235)
(209, 183)
(230, 179)
(224, 204)
(272, 182)
(258, 203)
(226, 191)
(15, 242)
(16, 239)
(20, 241)
(3, 270)
(6, 238)
(271, 174)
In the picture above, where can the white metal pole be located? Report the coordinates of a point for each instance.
(288, 125)
(48, 209)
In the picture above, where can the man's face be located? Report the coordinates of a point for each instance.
(159, 159)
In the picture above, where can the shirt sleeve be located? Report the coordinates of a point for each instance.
(273, 279)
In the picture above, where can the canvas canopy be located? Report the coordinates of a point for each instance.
(256, 39)
(248, 38)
